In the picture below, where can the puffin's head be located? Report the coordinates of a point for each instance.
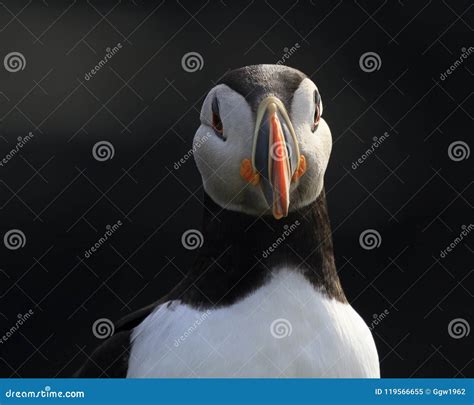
(262, 147)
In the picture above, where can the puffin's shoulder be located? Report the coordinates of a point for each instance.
(111, 358)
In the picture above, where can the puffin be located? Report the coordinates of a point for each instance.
(263, 298)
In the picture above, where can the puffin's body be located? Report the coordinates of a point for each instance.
(263, 298)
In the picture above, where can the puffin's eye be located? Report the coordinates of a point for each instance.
(217, 123)
(216, 119)
(317, 111)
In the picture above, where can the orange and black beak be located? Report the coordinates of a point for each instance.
(276, 154)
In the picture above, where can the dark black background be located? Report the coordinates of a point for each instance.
(147, 106)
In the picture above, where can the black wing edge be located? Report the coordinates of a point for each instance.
(133, 319)
(110, 359)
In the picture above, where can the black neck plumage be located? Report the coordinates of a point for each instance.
(241, 251)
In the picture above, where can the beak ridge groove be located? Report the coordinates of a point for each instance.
(275, 154)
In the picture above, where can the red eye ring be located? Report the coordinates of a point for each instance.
(317, 117)
(217, 123)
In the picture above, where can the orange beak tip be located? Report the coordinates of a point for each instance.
(278, 215)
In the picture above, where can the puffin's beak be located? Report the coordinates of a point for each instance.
(275, 154)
